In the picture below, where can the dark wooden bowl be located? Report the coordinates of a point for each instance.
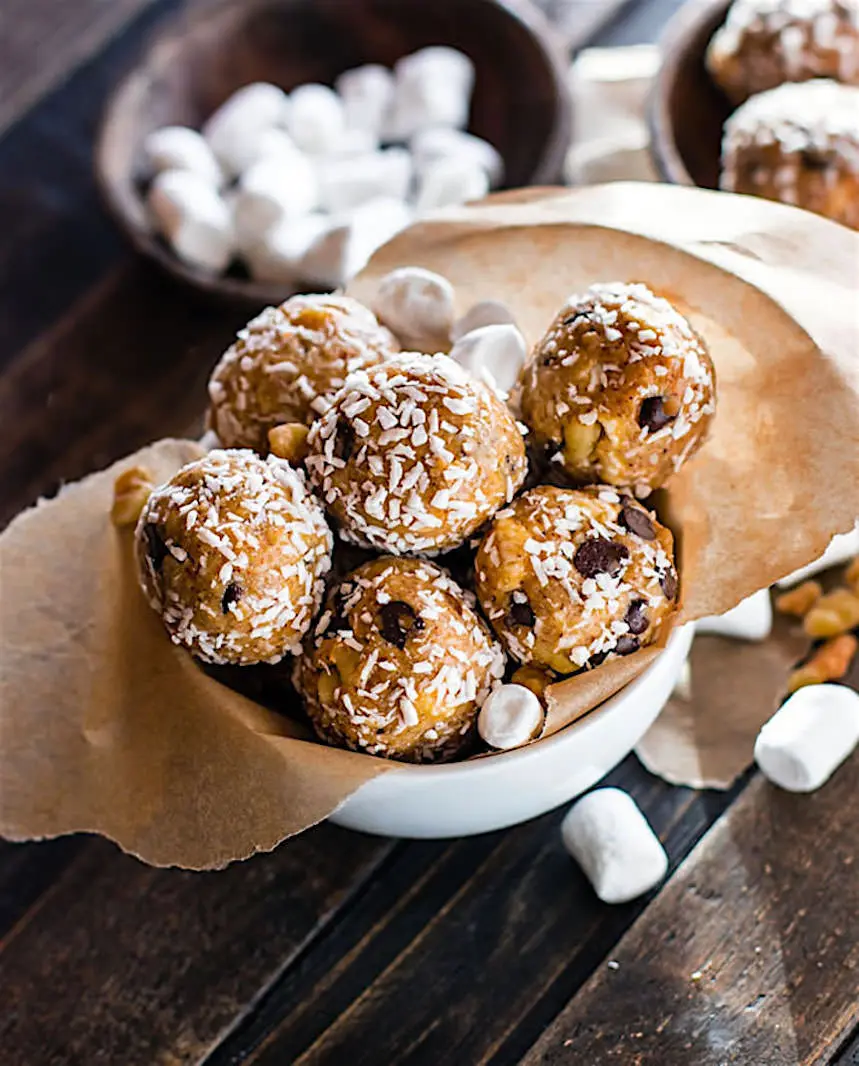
(687, 110)
(520, 101)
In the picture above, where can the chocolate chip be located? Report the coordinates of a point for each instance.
(652, 413)
(156, 549)
(521, 613)
(397, 622)
(232, 594)
(598, 659)
(636, 617)
(637, 521)
(344, 441)
(626, 645)
(600, 556)
(814, 160)
(668, 581)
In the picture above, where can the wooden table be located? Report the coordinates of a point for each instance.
(340, 948)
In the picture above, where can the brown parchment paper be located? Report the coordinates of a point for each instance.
(105, 726)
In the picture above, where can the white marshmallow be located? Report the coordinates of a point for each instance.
(278, 253)
(809, 737)
(352, 143)
(341, 251)
(350, 182)
(417, 305)
(233, 131)
(316, 120)
(609, 837)
(483, 313)
(181, 148)
(271, 190)
(510, 716)
(441, 142)
(437, 62)
(751, 619)
(194, 218)
(432, 88)
(494, 354)
(449, 181)
(842, 547)
(273, 143)
(367, 93)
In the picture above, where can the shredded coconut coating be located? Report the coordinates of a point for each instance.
(765, 43)
(798, 144)
(620, 390)
(569, 576)
(414, 455)
(288, 362)
(399, 663)
(231, 553)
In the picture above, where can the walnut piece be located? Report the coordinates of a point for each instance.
(131, 490)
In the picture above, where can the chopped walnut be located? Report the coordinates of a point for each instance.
(534, 678)
(851, 574)
(289, 442)
(800, 600)
(131, 490)
(829, 662)
(835, 613)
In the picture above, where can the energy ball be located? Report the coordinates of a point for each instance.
(569, 576)
(231, 553)
(287, 363)
(764, 43)
(798, 144)
(414, 455)
(620, 390)
(399, 663)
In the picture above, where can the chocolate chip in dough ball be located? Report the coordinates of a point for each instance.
(567, 577)
(414, 455)
(231, 553)
(620, 390)
(765, 43)
(288, 362)
(399, 663)
(798, 144)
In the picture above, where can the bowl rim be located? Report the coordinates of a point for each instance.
(168, 34)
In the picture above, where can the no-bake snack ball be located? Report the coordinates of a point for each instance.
(798, 144)
(399, 663)
(568, 576)
(620, 390)
(231, 553)
(414, 455)
(764, 43)
(287, 363)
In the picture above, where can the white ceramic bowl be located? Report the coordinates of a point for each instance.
(464, 798)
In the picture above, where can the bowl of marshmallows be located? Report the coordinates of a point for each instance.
(272, 146)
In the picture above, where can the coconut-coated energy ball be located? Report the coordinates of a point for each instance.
(798, 144)
(231, 552)
(620, 390)
(399, 663)
(414, 455)
(287, 363)
(765, 43)
(569, 576)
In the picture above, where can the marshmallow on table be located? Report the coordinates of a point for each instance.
(181, 148)
(842, 547)
(271, 190)
(494, 354)
(316, 119)
(511, 715)
(233, 131)
(483, 313)
(417, 305)
(344, 248)
(809, 737)
(350, 182)
(450, 180)
(367, 93)
(194, 218)
(432, 88)
(278, 253)
(751, 619)
(442, 142)
(611, 840)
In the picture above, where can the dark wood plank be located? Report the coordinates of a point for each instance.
(463, 953)
(28, 870)
(124, 963)
(749, 955)
(848, 1055)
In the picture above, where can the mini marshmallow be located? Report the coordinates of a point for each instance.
(609, 837)
(350, 182)
(432, 88)
(494, 354)
(440, 142)
(751, 619)
(483, 313)
(194, 218)
(233, 131)
(417, 305)
(367, 93)
(316, 120)
(842, 547)
(809, 737)
(181, 148)
(510, 716)
(271, 190)
(278, 253)
(438, 63)
(342, 250)
(449, 181)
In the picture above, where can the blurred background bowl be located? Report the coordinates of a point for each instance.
(520, 102)
(687, 110)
